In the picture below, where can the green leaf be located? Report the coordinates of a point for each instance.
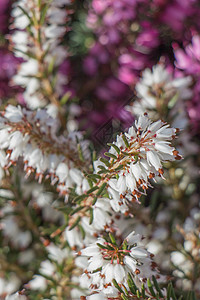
(25, 13)
(110, 155)
(101, 189)
(125, 141)
(82, 231)
(112, 238)
(65, 98)
(136, 159)
(124, 245)
(103, 171)
(191, 296)
(102, 167)
(90, 182)
(170, 292)
(117, 286)
(131, 284)
(80, 198)
(43, 14)
(157, 286)
(124, 297)
(94, 188)
(143, 291)
(120, 167)
(76, 210)
(94, 201)
(94, 155)
(125, 154)
(138, 294)
(75, 223)
(94, 177)
(102, 246)
(115, 147)
(91, 216)
(105, 161)
(149, 284)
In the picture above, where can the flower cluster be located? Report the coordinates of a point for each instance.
(33, 136)
(36, 39)
(108, 262)
(157, 89)
(139, 155)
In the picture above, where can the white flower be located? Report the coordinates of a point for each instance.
(13, 114)
(20, 40)
(47, 268)
(53, 30)
(97, 296)
(16, 296)
(108, 261)
(9, 286)
(155, 90)
(62, 172)
(37, 283)
(56, 15)
(57, 254)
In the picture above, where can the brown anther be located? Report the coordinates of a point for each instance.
(107, 285)
(153, 265)
(151, 255)
(79, 253)
(9, 151)
(13, 203)
(138, 194)
(137, 271)
(21, 292)
(178, 157)
(175, 152)
(160, 171)
(133, 199)
(46, 242)
(151, 175)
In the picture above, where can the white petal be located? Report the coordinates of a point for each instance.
(138, 253)
(153, 160)
(119, 273)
